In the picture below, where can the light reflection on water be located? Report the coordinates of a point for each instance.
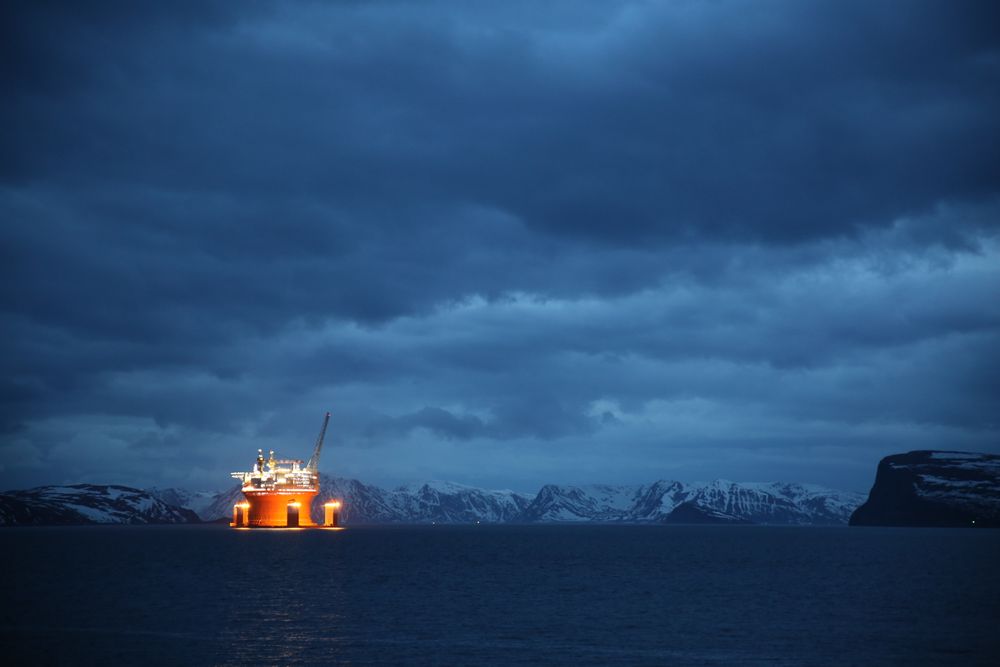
(501, 595)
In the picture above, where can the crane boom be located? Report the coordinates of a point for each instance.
(314, 460)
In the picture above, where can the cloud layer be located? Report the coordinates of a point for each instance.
(505, 244)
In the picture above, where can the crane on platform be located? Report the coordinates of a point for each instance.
(313, 464)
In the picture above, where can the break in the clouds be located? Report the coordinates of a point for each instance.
(505, 243)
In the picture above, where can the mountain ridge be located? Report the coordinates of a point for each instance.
(444, 502)
(918, 488)
(662, 501)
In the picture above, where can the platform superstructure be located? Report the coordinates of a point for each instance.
(280, 492)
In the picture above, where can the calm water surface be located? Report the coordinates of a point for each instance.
(508, 595)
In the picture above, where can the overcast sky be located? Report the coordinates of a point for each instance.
(504, 243)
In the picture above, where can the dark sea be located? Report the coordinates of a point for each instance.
(500, 595)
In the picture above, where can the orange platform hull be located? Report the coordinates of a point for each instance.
(269, 509)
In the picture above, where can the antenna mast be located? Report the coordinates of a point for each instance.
(314, 461)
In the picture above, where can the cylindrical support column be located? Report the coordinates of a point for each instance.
(331, 514)
(293, 514)
(240, 515)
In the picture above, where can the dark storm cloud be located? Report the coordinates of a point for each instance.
(439, 422)
(792, 123)
(497, 223)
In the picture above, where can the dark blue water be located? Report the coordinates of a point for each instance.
(682, 595)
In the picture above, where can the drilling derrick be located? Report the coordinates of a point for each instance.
(280, 492)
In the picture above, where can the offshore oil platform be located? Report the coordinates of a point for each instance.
(279, 493)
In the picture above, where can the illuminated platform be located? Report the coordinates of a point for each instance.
(280, 492)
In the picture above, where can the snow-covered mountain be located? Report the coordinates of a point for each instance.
(663, 501)
(934, 488)
(771, 503)
(88, 503)
(595, 502)
(454, 503)
(669, 501)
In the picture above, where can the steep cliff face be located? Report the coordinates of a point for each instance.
(934, 488)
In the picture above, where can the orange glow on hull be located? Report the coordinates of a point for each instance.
(269, 509)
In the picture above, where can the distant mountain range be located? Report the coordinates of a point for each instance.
(934, 488)
(661, 502)
(914, 489)
(442, 502)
